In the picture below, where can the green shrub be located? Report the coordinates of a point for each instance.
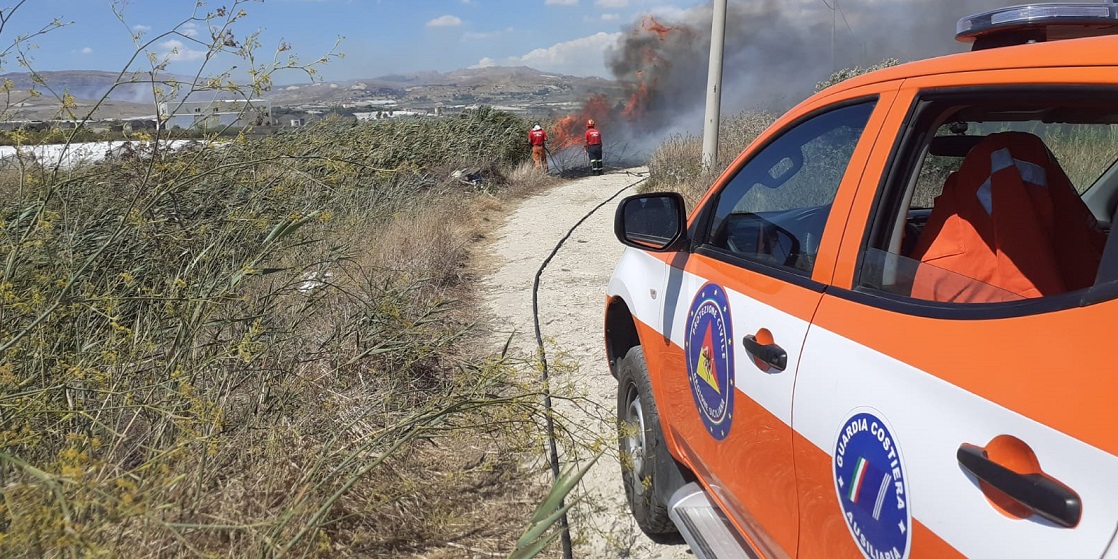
(249, 345)
(217, 349)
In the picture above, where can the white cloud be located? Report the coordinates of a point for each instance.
(87, 50)
(485, 63)
(565, 51)
(612, 4)
(189, 29)
(611, 17)
(561, 2)
(176, 51)
(580, 57)
(141, 28)
(670, 13)
(444, 21)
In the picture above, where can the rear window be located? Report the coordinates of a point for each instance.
(997, 196)
(1085, 151)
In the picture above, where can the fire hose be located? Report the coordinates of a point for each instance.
(556, 164)
(553, 160)
(553, 450)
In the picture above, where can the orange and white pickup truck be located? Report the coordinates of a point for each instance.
(886, 330)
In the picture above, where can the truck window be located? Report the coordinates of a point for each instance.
(774, 209)
(992, 208)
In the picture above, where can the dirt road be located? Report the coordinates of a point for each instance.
(572, 294)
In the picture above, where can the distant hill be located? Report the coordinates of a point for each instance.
(512, 87)
(497, 86)
(128, 95)
(420, 77)
(90, 85)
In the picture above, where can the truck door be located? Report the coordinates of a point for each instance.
(940, 415)
(745, 301)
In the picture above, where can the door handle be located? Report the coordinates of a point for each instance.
(1037, 492)
(770, 354)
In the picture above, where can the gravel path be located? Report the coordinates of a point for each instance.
(572, 296)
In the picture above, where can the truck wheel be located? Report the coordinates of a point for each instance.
(641, 444)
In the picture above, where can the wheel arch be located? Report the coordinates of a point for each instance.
(621, 335)
(620, 332)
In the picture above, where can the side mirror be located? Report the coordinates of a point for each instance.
(655, 221)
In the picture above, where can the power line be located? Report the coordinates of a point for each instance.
(836, 8)
(852, 35)
(834, 68)
(843, 14)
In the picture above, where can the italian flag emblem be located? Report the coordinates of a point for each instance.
(856, 481)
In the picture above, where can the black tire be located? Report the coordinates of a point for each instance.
(641, 445)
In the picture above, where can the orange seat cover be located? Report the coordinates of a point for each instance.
(1011, 219)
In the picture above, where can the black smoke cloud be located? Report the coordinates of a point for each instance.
(775, 51)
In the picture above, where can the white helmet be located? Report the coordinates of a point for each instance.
(537, 127)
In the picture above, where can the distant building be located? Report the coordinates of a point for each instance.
(217, 113)
(378, 103)
(141, 123)
(392, 113)
(10, 125)
(296, 119)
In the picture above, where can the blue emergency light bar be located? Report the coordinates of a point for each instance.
(1037, 23)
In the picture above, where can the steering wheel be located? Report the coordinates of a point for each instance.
(771, 243)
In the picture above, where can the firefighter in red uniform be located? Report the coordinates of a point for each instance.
(537, 138)
(593, 147)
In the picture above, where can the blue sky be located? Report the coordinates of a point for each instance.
(379, 36)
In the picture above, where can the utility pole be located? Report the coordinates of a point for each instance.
(714, 86)
(834, 13)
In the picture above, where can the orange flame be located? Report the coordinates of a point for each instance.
(638, 101)
(569, 130)
(650, 24)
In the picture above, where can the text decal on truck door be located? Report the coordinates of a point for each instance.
(710, 359)
(872, 488)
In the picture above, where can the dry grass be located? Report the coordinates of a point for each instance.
(677, 163)
(258, 349)
(528, 180)
(1084, 152)
(429, 244)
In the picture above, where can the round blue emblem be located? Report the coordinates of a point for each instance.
(710, 359)
(872, 488)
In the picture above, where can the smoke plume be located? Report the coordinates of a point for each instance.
(775, 53)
